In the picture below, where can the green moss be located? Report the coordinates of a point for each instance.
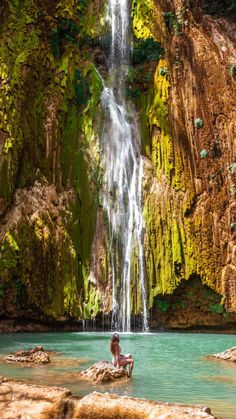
(217, 8)
(233, 70)
(8, 252)
(216, 308)
(79, 141)
(170, 20)
(142, 18)
(232, 168)
(5, 184)
(163, 71)
(66, 31)
(172, 240)
(163, 305)
(50, 255)
(82, 92)
(92, 304)
(147, 50)
(203, 154)
(198, 123)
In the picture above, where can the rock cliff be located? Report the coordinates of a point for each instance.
(54, 264)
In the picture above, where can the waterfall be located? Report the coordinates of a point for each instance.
(123, 172)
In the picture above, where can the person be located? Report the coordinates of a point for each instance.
(119, 360)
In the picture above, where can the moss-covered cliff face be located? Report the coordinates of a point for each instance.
(48, 188)
(54, 261)
(190, 166)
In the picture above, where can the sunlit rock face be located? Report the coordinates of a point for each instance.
(190, 167)
(228, 355)
(17, 398)
(35, 356)
(103, 372)
(54, 250)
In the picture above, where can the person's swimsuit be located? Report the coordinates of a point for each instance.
(113, 357)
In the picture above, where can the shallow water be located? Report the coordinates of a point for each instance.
(168, 366)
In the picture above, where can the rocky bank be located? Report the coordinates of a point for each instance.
(19, 400)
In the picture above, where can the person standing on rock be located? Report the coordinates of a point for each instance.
(119, 360)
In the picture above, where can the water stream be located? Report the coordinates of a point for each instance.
(123, 171)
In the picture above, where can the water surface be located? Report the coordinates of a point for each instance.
(168, 366)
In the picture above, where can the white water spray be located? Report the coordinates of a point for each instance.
(123, 172)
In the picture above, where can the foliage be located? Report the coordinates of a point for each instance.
(198, 123)
(82, 7)
(142, 18)
(233, 226)
(163, 71)
(220, 8)
(216, 308)
(82, 93)
(175, 22)
(8, 252)
(170, 20)
(138, 81)
(232, 168)
(147, 50)
(233, 69)
(163, 305)
(233, 190)
(67, 30)
(204, 154)
(133, 93)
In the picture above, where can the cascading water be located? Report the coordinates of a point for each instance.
(123, 171)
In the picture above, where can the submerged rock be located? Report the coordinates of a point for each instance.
(32, 401)
(103, 372)
(36, 355)
(228, 355)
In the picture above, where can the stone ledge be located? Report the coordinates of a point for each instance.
(19, 400)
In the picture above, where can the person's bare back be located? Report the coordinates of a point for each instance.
(118, 359)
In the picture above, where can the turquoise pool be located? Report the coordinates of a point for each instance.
(168, 366)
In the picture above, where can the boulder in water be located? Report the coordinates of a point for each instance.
(103, 372)
(36, 355)
(228, 355)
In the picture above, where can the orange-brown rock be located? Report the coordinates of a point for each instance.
(103, 372)
(36, 355)
(228, 355)
(19, 400)
(110, 406)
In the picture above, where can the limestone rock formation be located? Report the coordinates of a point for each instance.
(111, 406)
(18, 400)
(228, 355)
(21, 400)
(54, 240)
(103, 372)
(34, 356)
